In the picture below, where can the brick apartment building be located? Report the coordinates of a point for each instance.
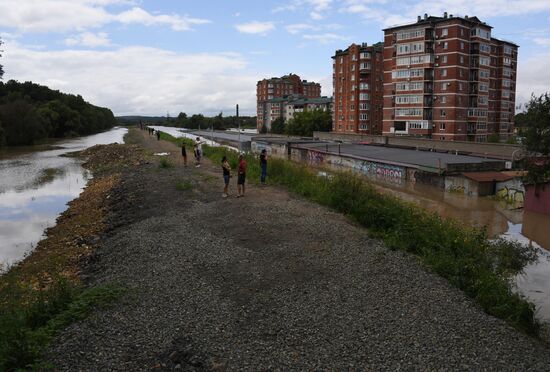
(358, 89)
(269, 89)
(447, 78)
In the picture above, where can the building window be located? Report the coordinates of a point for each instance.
(460, 86)
(352, 67)
(442, 113)
(507, 61)
(444, 72)
(461, 59)
(445, 32)
(442, 127)
(408, 112)
(461, 45)
(445, 45)
(363, 116)
(364, 55)
(444, 59)
(508, 50)
(363, 96)
(443, 86)
(443, 99)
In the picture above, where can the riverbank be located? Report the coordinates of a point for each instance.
(47, 290)
(264, 282)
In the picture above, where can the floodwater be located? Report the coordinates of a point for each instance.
(36, 183)
(500, 221)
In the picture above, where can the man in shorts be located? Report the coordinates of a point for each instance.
(241, 176)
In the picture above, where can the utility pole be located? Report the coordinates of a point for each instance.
(239, 127)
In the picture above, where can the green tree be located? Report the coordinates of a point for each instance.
(537, 138)
(307, 122)
(278, 126)
(217, 121)
(182, 120)
(197, 121)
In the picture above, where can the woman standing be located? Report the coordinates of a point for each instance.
(184, 154)
(263, 167)
(226, 168)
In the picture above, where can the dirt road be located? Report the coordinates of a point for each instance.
(268, 282)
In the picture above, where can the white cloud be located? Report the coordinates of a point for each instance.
(317, 8)
(480, 8)
(299, 27)
(66, 15)
(533, 77)
(140, 80)
(544, 41)
(255, 27)
(89, 39)
(176, 22)
(325, 38)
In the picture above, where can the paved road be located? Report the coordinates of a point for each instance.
(230, 136)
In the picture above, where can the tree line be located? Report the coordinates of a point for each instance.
(303, 124)
(31, 112)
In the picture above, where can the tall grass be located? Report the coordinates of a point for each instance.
(481, 267)
(31, 317)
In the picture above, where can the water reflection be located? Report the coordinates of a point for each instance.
(514, 224)
(35, 187)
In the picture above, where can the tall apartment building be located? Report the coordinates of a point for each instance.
(446, 78)
(268, 89)
(358, 89)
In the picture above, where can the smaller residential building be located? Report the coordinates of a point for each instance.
(286, 107)
(279, 87)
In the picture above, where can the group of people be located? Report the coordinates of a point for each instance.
(241, 173)
(197, 152)
(226, 168)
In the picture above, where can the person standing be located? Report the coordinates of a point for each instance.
(241, 176)
(198, 151)
(226, 168)
(263, 167)
(184, 154)
(158, 135)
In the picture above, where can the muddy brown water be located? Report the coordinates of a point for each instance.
(36, 183)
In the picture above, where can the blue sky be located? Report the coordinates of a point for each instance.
(152, 57)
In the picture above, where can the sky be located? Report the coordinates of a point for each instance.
(145, 57)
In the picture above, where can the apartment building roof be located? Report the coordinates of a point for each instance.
(363, 46)
(433, 20)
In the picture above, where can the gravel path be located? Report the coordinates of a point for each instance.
(269, 282)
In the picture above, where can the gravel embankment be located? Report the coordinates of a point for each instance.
(269, 282)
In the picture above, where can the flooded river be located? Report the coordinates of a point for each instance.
(36, 183)
(500, 221)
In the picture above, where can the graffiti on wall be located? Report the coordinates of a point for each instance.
(385, 171)
(511, 196)
(315, 158)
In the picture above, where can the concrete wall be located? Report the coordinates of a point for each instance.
(498, 150)
(385, 172)
(537, 199)
(512, 191)
(461, 185)
(275, 150)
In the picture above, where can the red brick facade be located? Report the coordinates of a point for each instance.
(446, 78)
(358, 89)
(267, 89)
